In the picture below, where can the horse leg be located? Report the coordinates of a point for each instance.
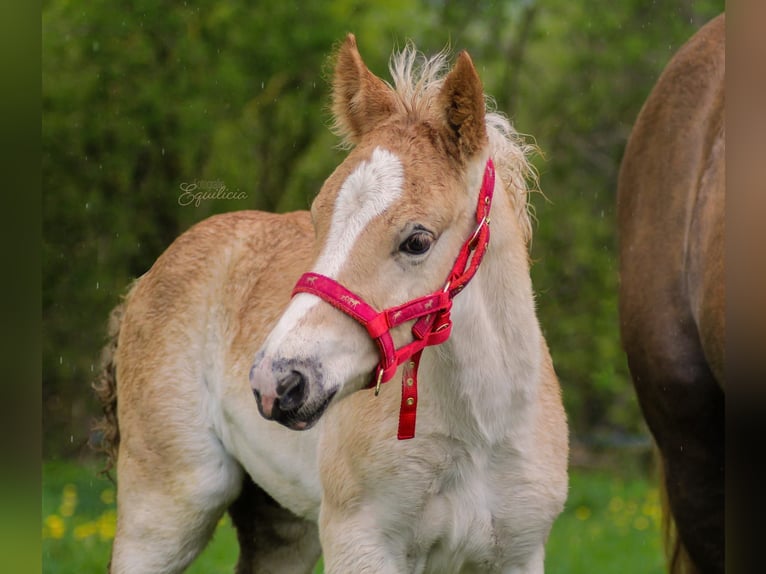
(685, 413)
(168, 507)
(271, 538)
(694, 481)
(353, 542)
(535, 564)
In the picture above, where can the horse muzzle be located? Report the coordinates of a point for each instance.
(283, 391)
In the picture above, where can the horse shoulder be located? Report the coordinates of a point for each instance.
(179, 313)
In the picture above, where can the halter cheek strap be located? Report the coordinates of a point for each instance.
(430, 313)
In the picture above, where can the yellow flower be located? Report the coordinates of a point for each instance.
(107, 496)
(582, 513)
(68, 500)
(85, 530)
(641, 523)
(54, 527)
(107, 524)
(650, 509)
(616, 504)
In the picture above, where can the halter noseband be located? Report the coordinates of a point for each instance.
(431, 313)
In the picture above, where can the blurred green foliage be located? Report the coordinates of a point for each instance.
(142, 98)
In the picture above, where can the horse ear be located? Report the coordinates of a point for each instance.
(360, 100)
(462, 101)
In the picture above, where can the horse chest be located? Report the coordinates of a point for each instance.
(466, 523)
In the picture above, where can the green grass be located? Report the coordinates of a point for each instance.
(610, 525)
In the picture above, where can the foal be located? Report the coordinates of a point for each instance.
(479, 485)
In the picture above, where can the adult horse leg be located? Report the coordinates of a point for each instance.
(271, 538)
(684, 408)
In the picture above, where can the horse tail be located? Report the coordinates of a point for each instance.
(676, 556)
(106, 430)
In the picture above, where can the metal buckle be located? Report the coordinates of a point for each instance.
(442, 327)
(377, 385)
(476, 232)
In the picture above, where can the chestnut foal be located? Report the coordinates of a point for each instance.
(388, 278)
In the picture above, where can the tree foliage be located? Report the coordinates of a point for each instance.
(140, 100)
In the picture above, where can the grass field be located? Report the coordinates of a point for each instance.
(610, 525)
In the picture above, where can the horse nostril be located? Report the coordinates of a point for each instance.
(291, 391)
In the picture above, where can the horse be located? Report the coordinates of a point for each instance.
(241, 367)
(670, 204)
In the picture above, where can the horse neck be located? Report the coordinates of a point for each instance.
(487, 374)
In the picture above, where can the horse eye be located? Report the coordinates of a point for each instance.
(417, 243)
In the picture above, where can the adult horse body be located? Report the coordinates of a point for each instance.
(671, 224)
(477, 488)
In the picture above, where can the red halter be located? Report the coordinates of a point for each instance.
(431, 313)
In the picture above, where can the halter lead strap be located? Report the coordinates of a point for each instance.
(430, 313)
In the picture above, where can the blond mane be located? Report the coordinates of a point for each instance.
(417, 81)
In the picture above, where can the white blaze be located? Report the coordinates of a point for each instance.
(371, 188)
